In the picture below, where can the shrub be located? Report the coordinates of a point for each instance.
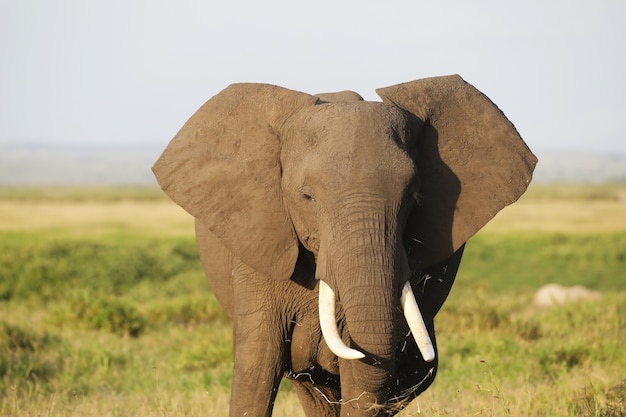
(48, 270)
(605, 403)
(103, 313)
(562, 360)
(25, 355)
(188, 310)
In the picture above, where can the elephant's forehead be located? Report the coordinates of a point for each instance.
(354, 127)
(359, 113)
(357, 139)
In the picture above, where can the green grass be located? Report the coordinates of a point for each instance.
(500, 356)
(526, 261)
(117, 319)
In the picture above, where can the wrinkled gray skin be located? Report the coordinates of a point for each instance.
(290, 189)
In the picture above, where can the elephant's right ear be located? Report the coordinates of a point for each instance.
(223, 167)
(472, 162)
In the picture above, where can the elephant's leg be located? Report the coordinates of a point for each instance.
(318, 392)
(259, 346)
(256, 377)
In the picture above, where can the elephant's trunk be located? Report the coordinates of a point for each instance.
(410, 308)
(369, 302)
(366, 271)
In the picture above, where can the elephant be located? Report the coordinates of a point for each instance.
(331, 229)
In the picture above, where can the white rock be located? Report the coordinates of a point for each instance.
(555, 294)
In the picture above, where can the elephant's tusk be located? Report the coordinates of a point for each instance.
(328, 324)
(416, 323)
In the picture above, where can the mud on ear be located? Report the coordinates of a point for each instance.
(223, 167)
(471, 160)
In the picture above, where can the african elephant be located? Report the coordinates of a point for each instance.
(331, 229)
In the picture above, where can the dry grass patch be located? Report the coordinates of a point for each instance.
(76, 212)
(573, 216)
(151, 218)
(565, 208)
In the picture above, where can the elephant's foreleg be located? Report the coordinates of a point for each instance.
(256, 376)
(259, 347)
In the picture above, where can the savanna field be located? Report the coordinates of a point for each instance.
(105, 310)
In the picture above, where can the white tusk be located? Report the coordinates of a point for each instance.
(416, 323)
(328, 324)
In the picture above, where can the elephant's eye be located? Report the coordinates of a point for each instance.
(307, 194)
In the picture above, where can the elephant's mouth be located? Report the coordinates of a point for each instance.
(412, 314)
(311, 243)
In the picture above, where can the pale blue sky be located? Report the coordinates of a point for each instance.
(129, 73)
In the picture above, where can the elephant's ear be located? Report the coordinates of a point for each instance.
(223, 167)
(471, 161)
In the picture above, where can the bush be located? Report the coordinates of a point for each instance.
(104, 313)
(609, 403)
(189, 310)
(25, 356)
(48, 270)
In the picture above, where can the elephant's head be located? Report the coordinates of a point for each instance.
(375, 191)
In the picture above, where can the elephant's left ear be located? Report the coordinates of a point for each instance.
(223, 167)
(471, 160)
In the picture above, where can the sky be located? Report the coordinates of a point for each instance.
(129, 73)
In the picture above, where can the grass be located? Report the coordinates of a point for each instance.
(104, 310)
